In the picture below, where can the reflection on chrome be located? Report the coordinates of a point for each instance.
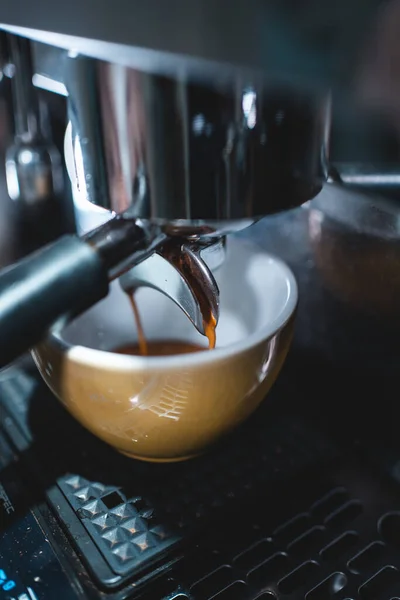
(249, 108)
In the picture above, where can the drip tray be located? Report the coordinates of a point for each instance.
(276, 511)
(345, 545)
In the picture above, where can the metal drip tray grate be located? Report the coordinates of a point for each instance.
(135, 524)
(124, 517)
(276, 512)
(340, 548)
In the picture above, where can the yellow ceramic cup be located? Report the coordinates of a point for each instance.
(174, 407)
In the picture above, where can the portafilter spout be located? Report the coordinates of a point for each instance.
(179, 270)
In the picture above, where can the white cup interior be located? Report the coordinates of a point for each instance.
(258, 294)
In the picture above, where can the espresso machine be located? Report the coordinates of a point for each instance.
(166, 157)
(185, 123)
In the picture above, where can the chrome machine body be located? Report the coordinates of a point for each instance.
(192, 120)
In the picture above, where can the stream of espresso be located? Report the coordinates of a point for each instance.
(142, 342)
(146, 347)
(165, 347)
(172, 253)
(210, 331)
(161, 348)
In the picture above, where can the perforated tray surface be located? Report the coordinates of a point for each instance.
(276, 512)
(134, 523)
(139, 515)
(338, 547)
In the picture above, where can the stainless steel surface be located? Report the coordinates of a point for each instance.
(350, 332)
(355, 239)
(315, 41)
(363, 213)
(9, 230)
(33, 172)
(33, 164)
(173, 151)
(213, 254)
(26, 107)
(380, 178)
(158, 274)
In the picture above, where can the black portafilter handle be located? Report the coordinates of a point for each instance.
(63, 279)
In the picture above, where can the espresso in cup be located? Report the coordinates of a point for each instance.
(143, 347)
(179, 399)
(163, 348)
